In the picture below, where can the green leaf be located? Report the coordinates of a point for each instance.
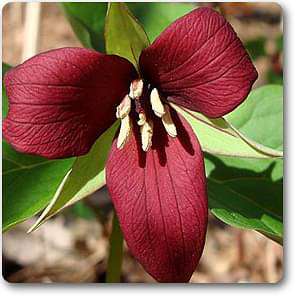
(87, 22)
(256, 47)
(246, 199)
(274, 78)
(255, 165)
(218, 137)
(124, 36)
(5, 68)
(279, 43)
(29, 182)
(260, 117)
(247, 211)
(81, 210)
(86, 176)
(156, 16)
(248, 193)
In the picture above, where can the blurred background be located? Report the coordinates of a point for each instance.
(73, 246)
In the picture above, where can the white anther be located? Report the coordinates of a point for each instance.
(146, 133)
(142, 119)
(156, 103)
(136, 89)
(124, 133)
(168, 123)
(123, 109)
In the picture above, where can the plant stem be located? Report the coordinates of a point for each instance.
(31, 29)
(114, 266)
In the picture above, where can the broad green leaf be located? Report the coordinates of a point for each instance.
(86, 176)
(28, 182)
(261, 166)
(124, 36)
(270, 152)
(87, 21)
(248, 193)
(244, 198)
(260, 116)
(248, 203)
(218, 137)
(156, 16)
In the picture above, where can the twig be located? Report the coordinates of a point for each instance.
(31, 29)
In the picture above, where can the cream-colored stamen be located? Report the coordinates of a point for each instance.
(146, 133)
(123, 109)
(156, 103)
(142, 119)
(168, 123)
(136, 89)
(124, 133)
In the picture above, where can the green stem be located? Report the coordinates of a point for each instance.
(114, 266)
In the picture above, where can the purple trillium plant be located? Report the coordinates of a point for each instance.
(62, 100)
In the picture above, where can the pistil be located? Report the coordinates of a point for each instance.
(160, 110)
(136, 89)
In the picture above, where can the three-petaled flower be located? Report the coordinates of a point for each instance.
(62, 100)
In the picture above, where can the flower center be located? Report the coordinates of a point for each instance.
(139, 98)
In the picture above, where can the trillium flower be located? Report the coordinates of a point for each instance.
(62, 100)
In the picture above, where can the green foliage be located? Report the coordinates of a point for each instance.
(260, 117)
(256, 48)
(156, 16)
(81, 210)
(279, 43)
(248, 193)
(29, 186)
(87, 21)
(274, 77)
(124, 36)
(218, 137)
(86, 176)
(245, 184)
(244, 198)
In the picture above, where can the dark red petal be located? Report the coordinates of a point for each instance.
(60, 101)
(200, 63)
(160, 198)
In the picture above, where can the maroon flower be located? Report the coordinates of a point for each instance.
(61, 101)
